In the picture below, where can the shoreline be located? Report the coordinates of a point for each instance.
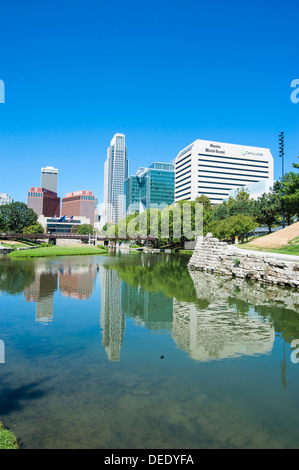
(43, 252)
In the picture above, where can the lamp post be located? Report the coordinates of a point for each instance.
(281, 154)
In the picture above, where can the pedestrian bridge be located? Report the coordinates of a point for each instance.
(66, 235)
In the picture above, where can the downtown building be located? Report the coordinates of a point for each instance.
(44, 202)
(151, 187)
(79, 204)
(44, 199)
(214, 169)
(115, 174)
(49, 178)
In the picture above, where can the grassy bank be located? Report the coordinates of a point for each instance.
(7, 439)
(58, 251)
(186, 252)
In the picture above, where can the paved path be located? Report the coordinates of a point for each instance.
(267, 254)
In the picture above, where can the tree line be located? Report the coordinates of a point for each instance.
(238, 216)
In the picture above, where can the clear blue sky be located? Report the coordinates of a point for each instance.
(162, 72)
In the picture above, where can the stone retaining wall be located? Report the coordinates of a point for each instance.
(218, 257)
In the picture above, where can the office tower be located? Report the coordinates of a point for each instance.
(214, 168)
(43, 202)
(151, 187)
(49, 176)
(5, 199)
(79, 203)
(115, 174)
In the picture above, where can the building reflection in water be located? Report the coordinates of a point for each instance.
(74, 280)
(77, 281)
(218, 332)
(42, 291)
(209, 317)
(222, 321)
(150, 309)
(112, 319)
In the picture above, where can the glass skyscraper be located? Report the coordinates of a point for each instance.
(115, 174)
(151, 187)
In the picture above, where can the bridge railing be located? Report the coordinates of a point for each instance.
(40, 236)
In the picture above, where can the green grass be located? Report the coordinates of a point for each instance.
(16, 245)
(58, 251)
(287, 250)
(186, 252)
(7, 439)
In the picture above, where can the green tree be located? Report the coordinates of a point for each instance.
(289, 207)
(221, 212)
(85, 229)
(267, 209)
(240, 225)
(291, 190)
(231, 227)
(35, 228)
(2, 222)
(240, 204)
(16, 216)
(205, 200)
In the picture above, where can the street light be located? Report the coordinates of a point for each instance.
(281, 154)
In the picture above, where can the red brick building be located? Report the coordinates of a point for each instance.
(79, 203)
(43, 202)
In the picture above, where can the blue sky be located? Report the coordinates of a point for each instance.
(164, 73)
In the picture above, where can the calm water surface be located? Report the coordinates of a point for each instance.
(134, 351)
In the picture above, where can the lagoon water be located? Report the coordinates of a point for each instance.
(131, 351)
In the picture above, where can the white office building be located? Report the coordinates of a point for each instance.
(215, 168)
(115, 174)
(5, 199)
(49, 177)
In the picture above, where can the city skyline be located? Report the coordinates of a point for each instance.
(65, 96)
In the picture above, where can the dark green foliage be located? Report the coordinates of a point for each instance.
(15, 217)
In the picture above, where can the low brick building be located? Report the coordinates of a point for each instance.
(79, 203)
(43, 202)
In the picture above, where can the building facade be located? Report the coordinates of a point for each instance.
(79, 203)
(151, 187)
(115, 174)
(49, 178)
(43, 202)
(5, 199)
(215, 168)
(56, 225)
